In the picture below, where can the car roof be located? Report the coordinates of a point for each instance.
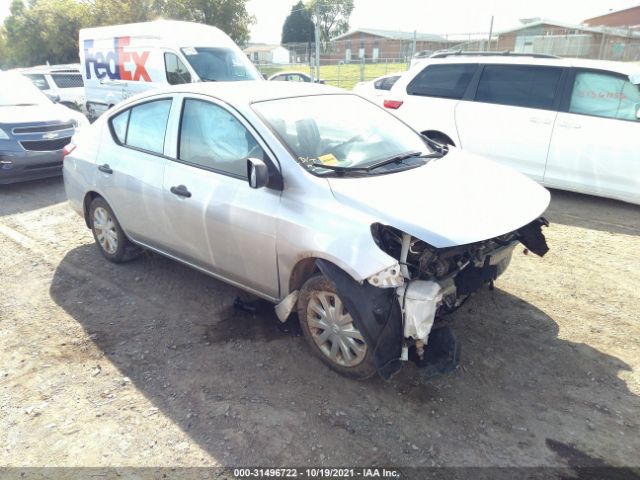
(70, 68)
(620, 67)
(290, 72)
(247, 92)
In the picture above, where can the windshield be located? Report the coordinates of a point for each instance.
(220, 64)
(16, 90)
(341, 132)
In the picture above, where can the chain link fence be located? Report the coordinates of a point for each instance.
(606, 44)
(338, 73)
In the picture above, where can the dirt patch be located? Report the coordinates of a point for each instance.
(149, 364)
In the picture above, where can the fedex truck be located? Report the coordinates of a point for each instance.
(122, 60)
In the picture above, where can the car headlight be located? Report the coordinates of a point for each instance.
(3, 135)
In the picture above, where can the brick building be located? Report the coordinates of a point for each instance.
(378, 45)
(567, 40)
(627, 18)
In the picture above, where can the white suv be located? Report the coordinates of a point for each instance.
(61, 83)
(567, 123)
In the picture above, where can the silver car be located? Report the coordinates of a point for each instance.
(314, 199)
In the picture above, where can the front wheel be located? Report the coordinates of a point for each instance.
(330, 331)
(111, 240)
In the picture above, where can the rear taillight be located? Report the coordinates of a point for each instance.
(70, 147)
(393, 104)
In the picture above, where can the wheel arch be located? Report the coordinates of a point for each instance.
(86, 203)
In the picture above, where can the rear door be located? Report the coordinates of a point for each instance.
(596, 142)
(216, 220)
(131, 169)
(511, 117)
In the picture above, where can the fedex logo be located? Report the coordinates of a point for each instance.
(113, 63)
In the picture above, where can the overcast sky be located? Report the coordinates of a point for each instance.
(429, 16)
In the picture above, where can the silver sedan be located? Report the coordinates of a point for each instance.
(314, 199)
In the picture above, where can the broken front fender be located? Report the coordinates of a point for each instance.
(376, 313)
(531, 236)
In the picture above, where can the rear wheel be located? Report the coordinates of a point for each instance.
(111, 240)
(330, 331)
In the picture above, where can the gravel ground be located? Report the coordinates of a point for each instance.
(148, 364)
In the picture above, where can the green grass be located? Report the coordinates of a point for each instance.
(345, 76)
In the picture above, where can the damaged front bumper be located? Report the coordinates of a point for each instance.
(392, 312)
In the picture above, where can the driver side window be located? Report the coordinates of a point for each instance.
(176, 71)
(213, 138)
(605, 95)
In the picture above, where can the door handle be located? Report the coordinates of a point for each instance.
(569, 125)
(181, 191)
(541, 121)
(105, 168)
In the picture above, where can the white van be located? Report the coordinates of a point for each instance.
(119, 61)
(61, 83)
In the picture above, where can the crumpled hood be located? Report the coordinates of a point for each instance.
(455, 200)
(43, 113)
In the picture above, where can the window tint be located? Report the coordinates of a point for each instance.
(119, 125)
(213, 138)
(177, 72)
(519, 85)
(605, 95)
(67, 80)
(447, 81)
(386, 83)
(39, 81)
(148, 124)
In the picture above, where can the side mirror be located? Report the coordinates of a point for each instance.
(638, 114)
(257, 173)
(54, 98)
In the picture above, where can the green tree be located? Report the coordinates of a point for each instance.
(116, 12)
(298, 27)
(40, 31)
(333, 17)
(230, 16)
(46, 30)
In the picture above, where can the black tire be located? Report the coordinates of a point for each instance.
(124, 250)
(319, 283)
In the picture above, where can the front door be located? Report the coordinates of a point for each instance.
(511, 118)
(216, 220)
(595, 145)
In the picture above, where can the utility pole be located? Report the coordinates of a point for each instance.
(318, 40)
(490, 32)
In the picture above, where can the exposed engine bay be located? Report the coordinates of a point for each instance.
(396, 310)
(434, 282)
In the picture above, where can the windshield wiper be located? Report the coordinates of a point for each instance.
(400, 158)
(339, 169)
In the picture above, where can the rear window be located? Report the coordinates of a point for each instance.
(67, 80)
(519, 85)
(386, 83)
(143, 126)
(445, 81)
(38, 80)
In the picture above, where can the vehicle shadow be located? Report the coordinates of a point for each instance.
(595, 213)
(248, 392)
(26, 196)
